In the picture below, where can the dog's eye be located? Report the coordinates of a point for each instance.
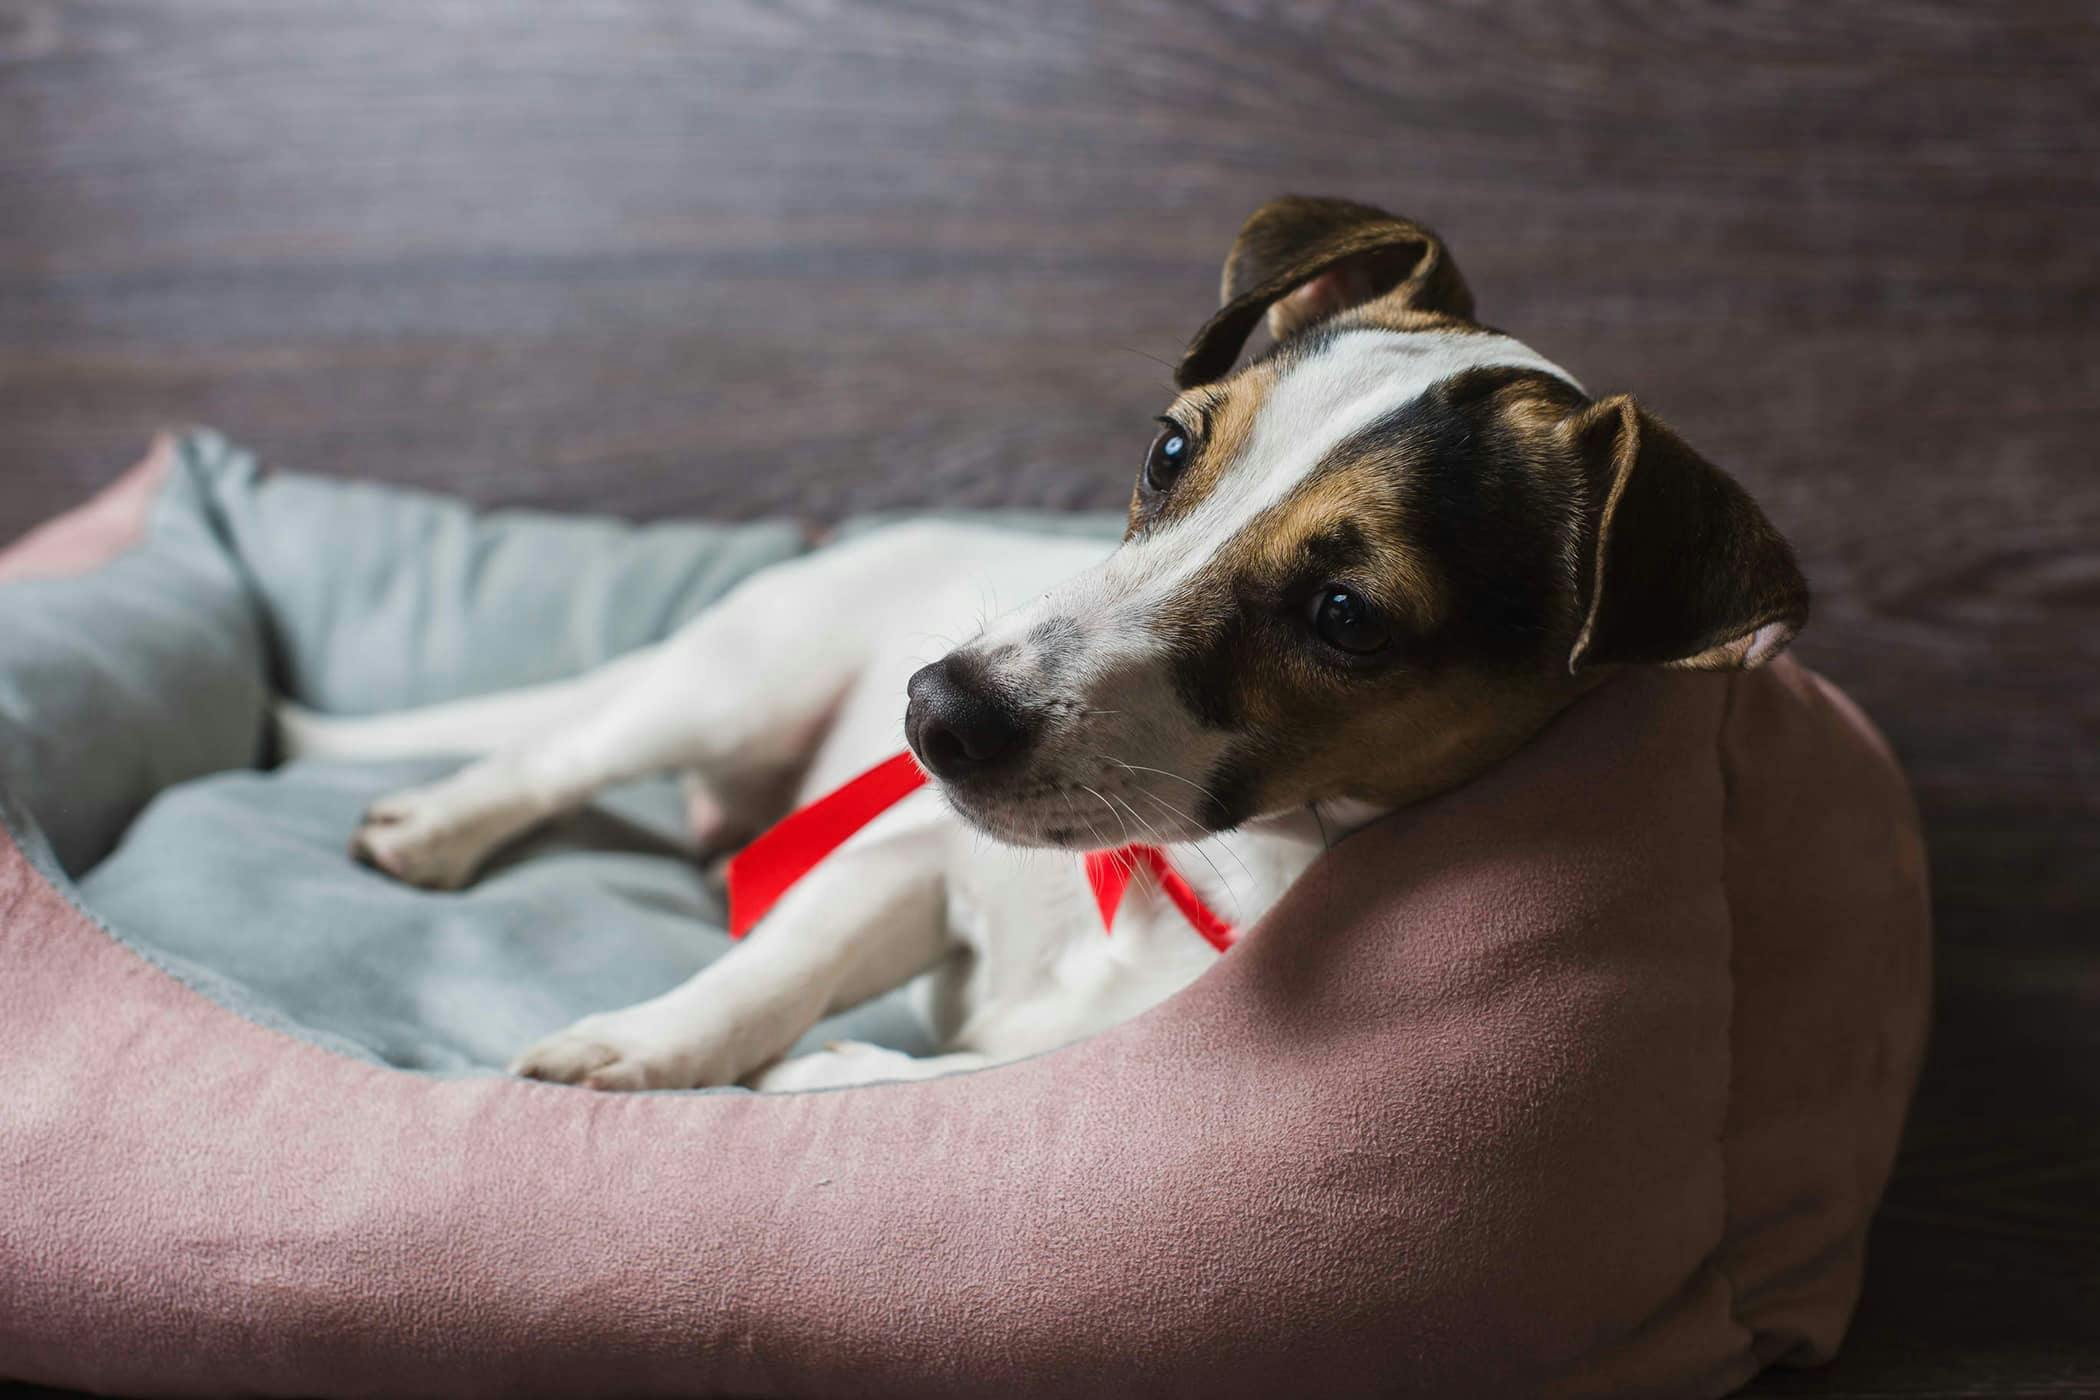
(1170, 452)
(1346, 622)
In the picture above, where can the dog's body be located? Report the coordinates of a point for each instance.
(1358, 572)
(1020, 959)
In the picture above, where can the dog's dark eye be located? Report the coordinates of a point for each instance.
(1347, 623)
(1170, 452)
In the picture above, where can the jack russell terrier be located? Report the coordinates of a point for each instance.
(1358, 572)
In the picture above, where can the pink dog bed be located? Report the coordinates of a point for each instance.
(1583, 1079)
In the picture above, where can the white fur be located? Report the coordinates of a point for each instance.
(803, 668)
(1360, 377)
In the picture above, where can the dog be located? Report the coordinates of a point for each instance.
(1358, 571)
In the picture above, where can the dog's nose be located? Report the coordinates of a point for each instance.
(955, 727)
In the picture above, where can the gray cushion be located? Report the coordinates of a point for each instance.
(136, 696)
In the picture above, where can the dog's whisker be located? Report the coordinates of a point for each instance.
(1198, 848)
(1093, 828)
(1141, 768)
(1139, 787)
(1166, 365)
(1076, 815)
(940, 639)
(1111, 811)
(1153, 832)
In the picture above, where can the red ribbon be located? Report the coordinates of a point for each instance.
(769, 867)
(1110, 872)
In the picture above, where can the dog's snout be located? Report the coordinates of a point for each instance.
(956, 724)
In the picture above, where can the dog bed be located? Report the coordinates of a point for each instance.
(1582, 1079)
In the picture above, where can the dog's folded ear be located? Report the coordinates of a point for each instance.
(1300, 261)
(1683, 569)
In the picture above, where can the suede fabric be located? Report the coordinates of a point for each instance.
(1583, 1079)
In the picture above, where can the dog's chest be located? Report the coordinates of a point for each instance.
(1039, 969)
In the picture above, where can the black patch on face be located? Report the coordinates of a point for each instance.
(1228, 796)
(1488, 515)
(1210, 668)
(1206, 671)
(1485, 516)
(1335, 552)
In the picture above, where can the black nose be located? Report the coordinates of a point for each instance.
(956, 726)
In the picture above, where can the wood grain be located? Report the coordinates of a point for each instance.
(740, 258)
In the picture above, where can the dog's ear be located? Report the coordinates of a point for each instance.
(1300, 261)
(1682, 568)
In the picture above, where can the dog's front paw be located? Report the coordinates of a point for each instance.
(625, 1050)
(435, 837)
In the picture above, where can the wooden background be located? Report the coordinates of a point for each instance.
(732, 258)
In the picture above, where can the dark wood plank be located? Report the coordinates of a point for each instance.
(738, 258)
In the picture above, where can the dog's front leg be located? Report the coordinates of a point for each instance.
(729, 698)
(439, 835)
(869, 918)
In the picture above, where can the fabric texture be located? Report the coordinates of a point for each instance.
(137, 703)
(150, 670)
(1580, 1080)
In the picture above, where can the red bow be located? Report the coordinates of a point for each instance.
(1109, 873)
(767, 868)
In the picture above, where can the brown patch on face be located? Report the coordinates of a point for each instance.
(1220, 420)
(1409, 739)
(1351, 518)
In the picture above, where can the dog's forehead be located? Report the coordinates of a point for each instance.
(1355, 375)
(1313, 402)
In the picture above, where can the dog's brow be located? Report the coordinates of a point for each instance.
(1200, 404)
(1334, 549)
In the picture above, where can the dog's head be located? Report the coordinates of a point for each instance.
(1360, 569)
